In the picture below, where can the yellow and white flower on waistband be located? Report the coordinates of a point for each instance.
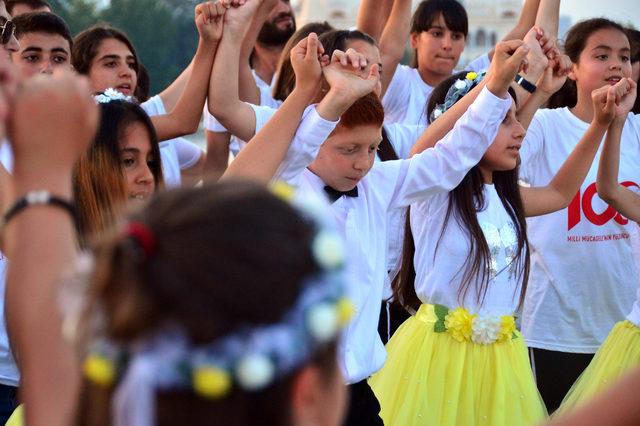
(466, 327)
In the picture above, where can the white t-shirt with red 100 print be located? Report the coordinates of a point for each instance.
(583, 275)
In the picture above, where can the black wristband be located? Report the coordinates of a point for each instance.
(35, 198)
(525, 84)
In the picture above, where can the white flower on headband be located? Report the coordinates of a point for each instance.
(255, 372)
(112, 94)
(322, 322)
(437, 113)
(460, 84)
(328, 250)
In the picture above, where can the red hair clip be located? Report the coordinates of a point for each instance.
(143, 235)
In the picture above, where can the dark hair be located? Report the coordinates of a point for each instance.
(285, 76)
(227, 256)
(634, 40)
(143, 87)
(465, 201)
(33, 4)
(338, 39)
(98, 176)
(428, 11)
(574, 44)
(42, 22)
(87, 43)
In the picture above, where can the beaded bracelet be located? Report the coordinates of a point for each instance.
(36, 198)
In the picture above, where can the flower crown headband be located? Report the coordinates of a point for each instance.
(112, 94)
(250, 358)
(460, 88)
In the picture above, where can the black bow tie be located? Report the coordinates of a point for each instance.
(334, 194)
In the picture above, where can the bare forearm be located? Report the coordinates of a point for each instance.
(171, 94)
(371, 16)
(394, 39)
(617, 406)
(264, 153)
(439, 128)
(224, 102)
(48, 383)
(526, 20)
(217, 155)
(574, 170)
(548, 17)
(607, 181)
(185, 117)
(532, 104)
(618, 196)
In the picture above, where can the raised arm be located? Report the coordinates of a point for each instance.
(371, 17)
(224, 100)
(248, 89)
(44, 158)
(185, 117)
(501, 72)
(393, 41)
(347, 83)
(564, 185)
(551, 80)
(615, 406)
(618, 196)
(262, 156)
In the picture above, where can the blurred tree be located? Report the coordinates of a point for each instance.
(162, 31)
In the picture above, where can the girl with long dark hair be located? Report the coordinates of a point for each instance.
(460, 359)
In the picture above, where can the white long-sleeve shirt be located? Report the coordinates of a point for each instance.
(363, 219)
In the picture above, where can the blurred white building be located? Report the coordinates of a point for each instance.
(489, 20)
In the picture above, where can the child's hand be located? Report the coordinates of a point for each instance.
(238, 16)
(209, 20)
(67, 123)
(345, 74)
(626, 92)
(536, 58)
(604, 104)
(555, 74)
(306, 59)
(509, 58)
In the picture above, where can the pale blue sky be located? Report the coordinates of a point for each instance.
(624, 11)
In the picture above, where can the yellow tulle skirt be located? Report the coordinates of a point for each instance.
(430, 378)
(17, 417)
(619, 353)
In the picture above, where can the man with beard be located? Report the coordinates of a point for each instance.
(272, 25)
(274, 34)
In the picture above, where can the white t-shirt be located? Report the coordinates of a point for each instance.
(440, 262)
(363, 219)
(583, 277)
(9, 374)
(405, 100)
(634, 315)
(177, 154)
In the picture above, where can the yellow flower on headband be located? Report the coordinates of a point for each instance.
(458, 323)
(283, 191)
(471, 76)
(345, 311)
(211, 382)
(99, 370)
